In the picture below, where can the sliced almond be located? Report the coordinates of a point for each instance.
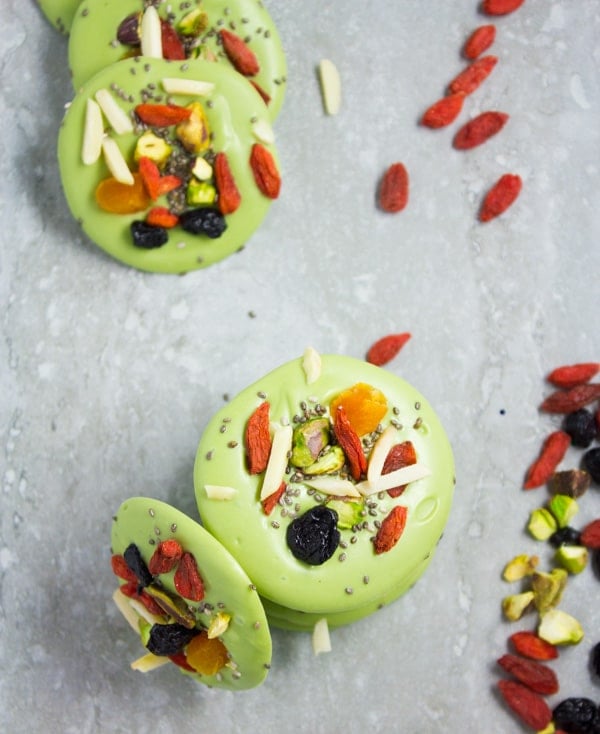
(379, 453)
(149, 662)
(311, 364)
(321, 641)
(263, 131)
(333, 486)
(115, 162)
(397, 478)
(218, 625)
(218, 492)
(278, 459)
(202, 169)
(93, 132)
(331, 86)
(123, 605)
(189, 87)
(117, 118)
(151, 36)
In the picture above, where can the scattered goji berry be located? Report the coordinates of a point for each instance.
(350, 442)
(271, 501)
(553, 450)
(479, 41)
(393, 189)
(590, 535)
(572, 375)
(165, 557)
(229, 195)
(187, 579)
(502, 194)
(172, 47)
(160, 216)
(400, 455)
(155, 184)
(568, 401)
(530, 707)
(386, 348)
(162, 115)
(121, 569)
(531, 646)
(263, 93)
(536, 676)
(501, 7)
(265, 171)
(472, 77)
(180, 660)
(391, 529)
(239, 53)
(257, 439)
(444, 111)
(133, 591)
(479, 129)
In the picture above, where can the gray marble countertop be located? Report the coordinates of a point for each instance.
(109, 375)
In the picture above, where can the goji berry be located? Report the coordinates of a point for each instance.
(121, 569)
(391, 529)
(502, 194)
(393, 189)
(180, 660)
(553, 450)
(187, 579)
(229, 195)
(479, 41)
(162, 115)
(386, 348)
(568, 401)
(536, 676)
(472, 77)
(400, 455)
(350, 442)
(265, 96)
(156, 185)
(531, 646)
(529, 706)
(501, 7)
(172, 47)
(590, 535)
(479, 129)
(444, 111)
(265, 171)
(132, 590)
(239, 53)
(160, 216)
(271, 501)
(572, 375)
(257, 439)
(165, 557)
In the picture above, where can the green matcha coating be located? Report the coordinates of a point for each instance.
(337, 588)
(234, 105)
(59, 12)
(146, 521)
(93, 41)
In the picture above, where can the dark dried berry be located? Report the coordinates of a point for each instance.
(133, 558)
(128, 31)
(596, 563)
(313, 537)
(595, 659)
(581, 426)
(169, 639)
(565, 536)
(147, 235)
(591, 463)
(577, 716)
(204, 220)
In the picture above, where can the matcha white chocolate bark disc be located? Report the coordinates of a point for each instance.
(187, 597)
(59, 12)
(168, 166)
(238, 33)
(341, 479)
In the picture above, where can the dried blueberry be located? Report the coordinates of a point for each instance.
(591, 462)
(581, 426)
(577, 716)
(147, 235)
(565, 536)
(169, 639)
(203, 220)
(133, 558)
(313, 537)
(595, 659)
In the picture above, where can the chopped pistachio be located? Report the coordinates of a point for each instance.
(202, 169)
(573, 558)
(309, 440)
(349, 513)
(564, 509)
(541, 524)
(200, 193)
(194, 23)
(572, 482)
(194, 132)
(519, 567)
(331, 461)
(218, 625)
(559, 628)
(515, 605)
(548, 588)
(149, 145)
(550, 729)
(173, 606)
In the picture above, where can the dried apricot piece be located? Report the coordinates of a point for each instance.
(206, 656)
(364, 406)
(119, 198)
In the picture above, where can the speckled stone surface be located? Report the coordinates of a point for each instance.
(110, 375)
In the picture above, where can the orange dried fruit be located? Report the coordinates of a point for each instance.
(364, 406)
(119, 198)
(206, 656)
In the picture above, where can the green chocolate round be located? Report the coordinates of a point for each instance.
(59, 12)
(93, 42)
(355, 580)
(232, 110)
(228, 589)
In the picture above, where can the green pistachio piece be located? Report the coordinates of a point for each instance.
(541, 524)
(515, 606)
(308, 440)
(331, 461)
(564, 509)
(559, 628)
(572, 558)
(548, 588)
(194, 23)
(349, 512)
(151, 146)
(173, 606)
(519, 567)
(572, 482)
(145, 628)
(200, 193)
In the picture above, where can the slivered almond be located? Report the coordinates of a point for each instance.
(331, 87)
(333, 486)
(263, 131)
(278, 459)
(321, 641)
(311, 364)
(406, 475)
(202, 169)
(151, 36)
(93, 132)
(190, 87)
(116, 162)
(123, 605)
(149, 662)
(117, 118)
(218, 492)
(379, 453)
